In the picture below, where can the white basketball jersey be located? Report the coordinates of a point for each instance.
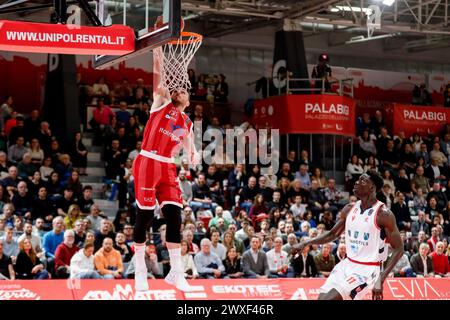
(363, 237)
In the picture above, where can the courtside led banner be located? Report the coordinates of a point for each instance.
(229, 289)
(311, 113)
(65, 39)
(421, 119)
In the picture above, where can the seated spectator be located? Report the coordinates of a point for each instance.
(38, 228)
(45, 137)
(254, 261)
(420, 181)
(17, 151)
(151, 263)
(440, 261)
(63, 204)
(52, 240)
(341, 253)
(219, 213)
(190, 270)
(401, 212)
(80, 233)
(291, 241)
(432, 242)
(216, 246)
(108, 260)
(188, 236)
(421, 263)
(439, 195)
(35, 183)
(11, 182)
(36, 153)
(82, 264)
(325, 261)
(353, 171)
(22, 201)
(6, 266)
(278, 261)
(248, 194)
(402, 268)
(35, 239)
(28, 265)
(185, 187)
(94, 217)
(64, 253)
(105, 231)
(128, 231)
(420, 224)
(42, 208)
(64, 167)
(303, 176)
(435, 171)
(209, 265)
(73, 214)
(25, 167)
(74, 183)
(432, 211)
(419, 200)
(403, 183)
(385, 196)
(10, 244)
(123, 115)
(54, 187)
(78, 154)
(124, 249)
(367, 144)
(304, 265)
(85, 202)
(232, 264)
(100, 88)
(258, 207)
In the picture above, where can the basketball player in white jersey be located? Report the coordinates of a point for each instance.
(368, 225)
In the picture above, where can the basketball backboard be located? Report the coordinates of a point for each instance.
(141, 15)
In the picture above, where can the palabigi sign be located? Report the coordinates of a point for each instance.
(315, 113)
(65, 38)
(421, 119)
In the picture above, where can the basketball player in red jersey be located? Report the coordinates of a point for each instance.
(368, 225)
(167, 131)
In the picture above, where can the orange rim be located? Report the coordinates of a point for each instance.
(193, 38)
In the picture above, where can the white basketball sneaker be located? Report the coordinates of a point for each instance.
(178, 280)
(140, 280)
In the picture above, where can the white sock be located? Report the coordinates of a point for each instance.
(175, 260)
(139, 252)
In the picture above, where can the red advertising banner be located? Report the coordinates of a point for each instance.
(230, 289)
(424, 120)
(310, 114)
(65, 39)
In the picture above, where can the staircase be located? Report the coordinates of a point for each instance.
(96, 172)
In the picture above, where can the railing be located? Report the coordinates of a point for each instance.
(308, 85)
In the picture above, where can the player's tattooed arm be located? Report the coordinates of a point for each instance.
(326, 236)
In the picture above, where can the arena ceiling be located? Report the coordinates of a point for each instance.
(415, 24)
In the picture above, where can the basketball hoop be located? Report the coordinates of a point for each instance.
(175, 57)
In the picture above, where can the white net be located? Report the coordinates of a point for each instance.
(175, 57)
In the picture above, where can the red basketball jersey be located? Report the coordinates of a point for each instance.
(164, 132)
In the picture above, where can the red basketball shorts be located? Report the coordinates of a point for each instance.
(155, 181)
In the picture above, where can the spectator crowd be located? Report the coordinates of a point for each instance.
(237, 222)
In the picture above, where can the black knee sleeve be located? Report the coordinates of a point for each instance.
(143, 220)
(172, 214)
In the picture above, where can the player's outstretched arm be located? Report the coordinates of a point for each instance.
(326, 236)
(387, 220)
